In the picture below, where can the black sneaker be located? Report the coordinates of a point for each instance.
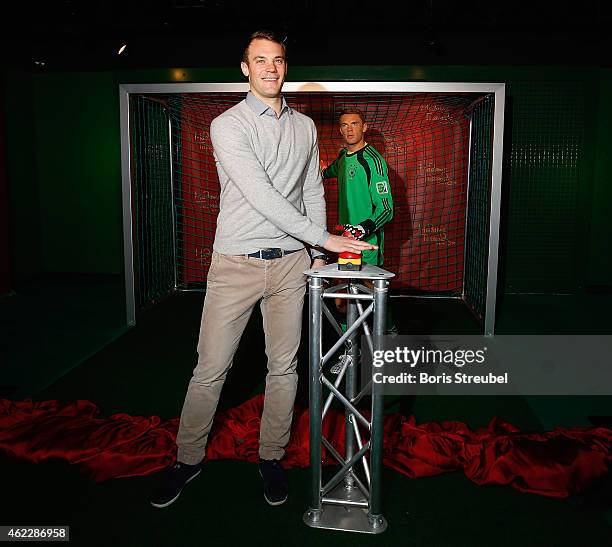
(276, 489)
(172, 483)
(392, 332)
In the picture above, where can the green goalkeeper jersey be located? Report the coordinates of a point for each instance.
(364, 195)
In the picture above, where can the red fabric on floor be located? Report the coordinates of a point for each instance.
(558, 463)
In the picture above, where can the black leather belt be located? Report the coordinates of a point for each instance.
(270, 254)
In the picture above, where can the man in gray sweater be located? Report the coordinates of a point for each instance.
(272, 201)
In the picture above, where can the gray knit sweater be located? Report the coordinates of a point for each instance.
(271, 188)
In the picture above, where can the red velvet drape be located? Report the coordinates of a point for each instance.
(558, 463)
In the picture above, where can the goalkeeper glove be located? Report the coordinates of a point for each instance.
(358, 232)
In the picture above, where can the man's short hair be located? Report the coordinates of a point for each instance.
(263, 35)
(352, 110)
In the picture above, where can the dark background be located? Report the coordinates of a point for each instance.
(73, 34)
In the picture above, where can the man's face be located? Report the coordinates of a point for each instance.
(266, 68)
(352, 129)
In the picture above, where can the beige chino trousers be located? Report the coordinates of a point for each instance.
(235, 285)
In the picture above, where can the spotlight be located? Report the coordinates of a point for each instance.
(179, 74)
(121, 49)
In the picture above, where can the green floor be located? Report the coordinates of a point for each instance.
(49, 327)
(145, 371)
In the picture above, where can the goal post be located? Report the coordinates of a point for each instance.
(442, 143)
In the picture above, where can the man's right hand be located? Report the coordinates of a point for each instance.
(339, 244)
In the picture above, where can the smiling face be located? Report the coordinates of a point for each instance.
(266, 68)
(353, 129)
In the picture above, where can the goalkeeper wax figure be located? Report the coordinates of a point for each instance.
(271, 203)
(364, 195)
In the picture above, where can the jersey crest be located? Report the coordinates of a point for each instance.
(351, 171)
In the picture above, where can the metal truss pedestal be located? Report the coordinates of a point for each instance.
(351, 499)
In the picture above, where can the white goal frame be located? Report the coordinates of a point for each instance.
(497, 89)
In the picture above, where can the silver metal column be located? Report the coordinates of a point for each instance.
(314, 313)
(380, 316)
(350, 386)
(351, 499)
